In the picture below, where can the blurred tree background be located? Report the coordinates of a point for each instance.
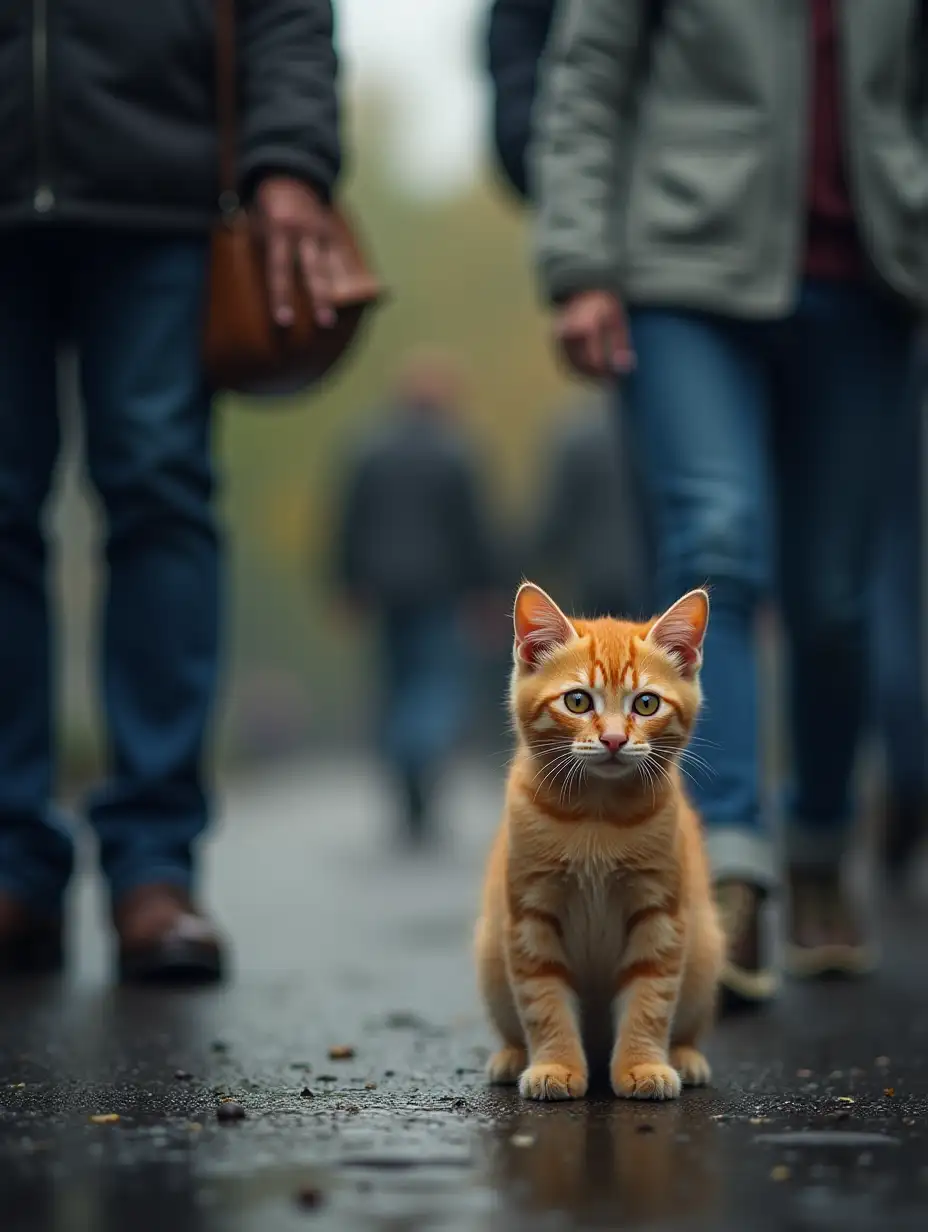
(459, 276)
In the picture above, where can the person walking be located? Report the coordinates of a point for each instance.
(414, 552)
(745, 246)
(108, 188)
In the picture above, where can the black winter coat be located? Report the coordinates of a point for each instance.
(107, 112)
(517, 36)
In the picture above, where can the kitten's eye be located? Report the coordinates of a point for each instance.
(646, 704)
(578, 702)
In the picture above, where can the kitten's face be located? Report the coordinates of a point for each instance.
(606, 699)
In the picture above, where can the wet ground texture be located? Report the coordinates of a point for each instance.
(350, 1043)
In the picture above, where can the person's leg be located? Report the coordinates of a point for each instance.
(897, 638)
(148, 425)
(699, 408)
(845, 364)
(397, 718)
(426, 701)
(35, 849)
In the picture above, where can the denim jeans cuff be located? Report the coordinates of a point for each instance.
(820, 847)
(741, 855)
(123, 883)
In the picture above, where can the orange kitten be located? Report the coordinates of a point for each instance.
(599, 940)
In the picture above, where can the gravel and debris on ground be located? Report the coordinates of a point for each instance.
(337, 1081)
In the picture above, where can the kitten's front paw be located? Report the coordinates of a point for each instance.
(692, 1066)
(647, 1082)
(505, 1066)
(553, 1082)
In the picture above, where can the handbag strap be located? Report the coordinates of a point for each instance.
(226, 106)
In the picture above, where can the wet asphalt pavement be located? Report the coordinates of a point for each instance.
(818, 1117)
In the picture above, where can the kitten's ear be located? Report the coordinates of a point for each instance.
(540, 625)
(681, 631)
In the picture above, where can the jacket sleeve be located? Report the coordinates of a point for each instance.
(516, 37)
(289, 108)
(582, 139)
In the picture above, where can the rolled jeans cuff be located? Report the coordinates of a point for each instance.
(741, 855)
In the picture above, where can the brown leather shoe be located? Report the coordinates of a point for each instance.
(747, 979)
(824, 935)
(29, 944)
(163, 939)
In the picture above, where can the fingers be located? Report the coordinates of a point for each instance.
(316, 266)
(580, 354)
(286, 253)
(584, 347)
(620, 353)
(281, 267)
(596, 344)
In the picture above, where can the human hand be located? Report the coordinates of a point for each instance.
(297, 235)
(592, 332)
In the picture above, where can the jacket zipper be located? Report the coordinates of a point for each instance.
(44, 197)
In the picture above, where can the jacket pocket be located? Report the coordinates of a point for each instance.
(894, 206)
(700, 197)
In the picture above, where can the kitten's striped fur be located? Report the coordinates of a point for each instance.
(598, 941)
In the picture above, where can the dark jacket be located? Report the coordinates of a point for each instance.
(413, 528)
(107, 111)
(517, 35)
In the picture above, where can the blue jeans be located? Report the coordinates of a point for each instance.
(132, 305)
(764, 446)
(425, 700)
(898, 627)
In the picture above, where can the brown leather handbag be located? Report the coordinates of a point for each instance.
(244, 349)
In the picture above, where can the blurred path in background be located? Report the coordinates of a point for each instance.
(818, 1118)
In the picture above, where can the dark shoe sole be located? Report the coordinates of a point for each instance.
(41, 955)
(849, 961)
(184, 964)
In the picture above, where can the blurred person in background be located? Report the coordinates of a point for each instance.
(414, 554)
(748, 248)
(601, 572)
(108, 189)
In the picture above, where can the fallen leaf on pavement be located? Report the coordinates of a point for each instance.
(341, 1052)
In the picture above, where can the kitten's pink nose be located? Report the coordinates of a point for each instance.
(613, 740)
